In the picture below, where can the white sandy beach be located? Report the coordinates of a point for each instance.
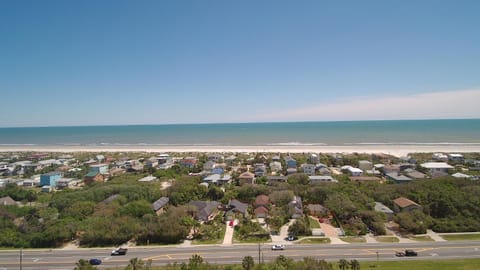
(395, 150)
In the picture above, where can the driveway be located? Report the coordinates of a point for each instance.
(280, 238)
(228, 238)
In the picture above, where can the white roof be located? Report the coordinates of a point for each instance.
(436, 165)
(456, 155)
(461, 175)
(148, 178)
(354, 170)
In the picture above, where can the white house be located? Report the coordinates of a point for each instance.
(317, 179)
(352, 170)
(275, 166)
(436, 168)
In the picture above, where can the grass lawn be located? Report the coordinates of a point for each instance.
(319, 240)
(424, 238)
(461, 237)
(467, 264)
(237, 239)
(387, 239)
(314, 223)
(353, 239)
(207, 242)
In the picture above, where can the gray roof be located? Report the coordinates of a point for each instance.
(204, 208)
(158, 204)
(398, 177)
(238, 205)
(380, 207)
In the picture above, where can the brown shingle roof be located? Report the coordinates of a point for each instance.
(404, 202)
(261, 200)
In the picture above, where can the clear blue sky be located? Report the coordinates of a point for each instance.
(154, 62)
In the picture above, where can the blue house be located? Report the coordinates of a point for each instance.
(50, 179)
(291, 163)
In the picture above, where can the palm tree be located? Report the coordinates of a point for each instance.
(248, 263)
(343, 264)
(135, 264)
(355, 265)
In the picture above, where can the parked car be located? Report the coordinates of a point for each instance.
(119, 251)
(95, 261)
(278, 247)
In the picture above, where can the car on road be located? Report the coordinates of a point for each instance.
(95, 261)
(409, 252)
(119, 251)
(406, 253)
(291, 238)
(278, 247)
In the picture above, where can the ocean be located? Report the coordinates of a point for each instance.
(400, 132)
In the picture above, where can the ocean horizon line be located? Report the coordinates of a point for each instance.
(241, 123)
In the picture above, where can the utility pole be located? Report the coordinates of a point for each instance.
(21, 258)
(258, 253)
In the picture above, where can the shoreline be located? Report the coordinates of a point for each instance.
(394, 150)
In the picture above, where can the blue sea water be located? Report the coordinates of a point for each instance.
(401, 132)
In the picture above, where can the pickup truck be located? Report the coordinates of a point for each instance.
(119, 251)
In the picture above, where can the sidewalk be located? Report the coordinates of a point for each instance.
(435, 236)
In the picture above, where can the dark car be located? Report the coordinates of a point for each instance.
(409, 252)
(291, 238)
(95, 261)
(399, 254)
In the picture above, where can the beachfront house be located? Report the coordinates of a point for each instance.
(313, 158)
(189, 162)
(290, 162)
(437, 169)
(50, 179)
(365, 165)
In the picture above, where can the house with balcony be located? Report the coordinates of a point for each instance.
(308, 169)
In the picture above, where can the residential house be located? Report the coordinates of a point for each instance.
(295, 207)
(275, 179)
(151, 162)
(313, 158)
(457, 158)
(398, 178)
(189, 162)
(133, 165)
(116, 171)
(246, 178)
(216, 158)
(98, 168)
(260, 170)
(352, 170)
(365, 165)
(50, 179)
(33, 182)
(92, 177)
(219, 168)
(235, 208)
(308, 169)
(276, 158)
(317, 179)
(275, 166)
(164, 161)
(218, 179)
(159, 205)
(379, 207)
(261, 212)
(290, 162)
(63, 183)
(437, 169)
(405, 205)
(439, 157)
(204, 210)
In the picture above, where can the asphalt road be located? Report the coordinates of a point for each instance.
(160, 255)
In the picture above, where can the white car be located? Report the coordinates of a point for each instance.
(278, 247)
